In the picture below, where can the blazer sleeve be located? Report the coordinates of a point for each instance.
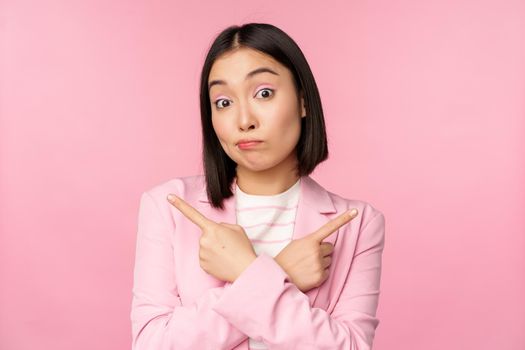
(265, 305)
(158, 318)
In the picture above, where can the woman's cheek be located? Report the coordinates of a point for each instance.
(220, 130)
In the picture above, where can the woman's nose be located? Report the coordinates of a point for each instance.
(246, 125)
(247, 120)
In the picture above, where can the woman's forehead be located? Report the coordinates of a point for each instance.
(241, 61)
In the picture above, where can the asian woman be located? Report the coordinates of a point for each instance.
(254, 253)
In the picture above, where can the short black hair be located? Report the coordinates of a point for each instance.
(312, 147)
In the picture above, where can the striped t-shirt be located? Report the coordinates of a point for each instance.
(268, 222)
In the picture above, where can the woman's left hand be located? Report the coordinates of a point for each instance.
(225, 249)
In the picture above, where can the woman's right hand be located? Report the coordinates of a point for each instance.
(307, 260)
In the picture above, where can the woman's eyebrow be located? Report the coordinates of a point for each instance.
(248, 76)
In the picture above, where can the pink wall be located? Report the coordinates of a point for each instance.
(99, 101)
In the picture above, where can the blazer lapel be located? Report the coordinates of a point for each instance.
(314, 205)
(228, 215)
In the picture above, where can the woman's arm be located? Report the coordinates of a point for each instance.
(265, 305)
(159, 321)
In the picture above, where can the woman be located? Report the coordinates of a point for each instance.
(254, 253)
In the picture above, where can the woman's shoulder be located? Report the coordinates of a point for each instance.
(366, 209)
(187, 187)
(369, 219)
(154, 200)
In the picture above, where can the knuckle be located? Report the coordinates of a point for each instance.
(204, 241)
(319, 277)
(212, 230)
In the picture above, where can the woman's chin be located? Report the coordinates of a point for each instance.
(253, 167)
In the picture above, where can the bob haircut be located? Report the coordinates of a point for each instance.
(312, 148)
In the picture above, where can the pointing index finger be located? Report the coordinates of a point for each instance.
(334, 224)
(190, 212)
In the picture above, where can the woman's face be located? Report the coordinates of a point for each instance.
(262, 106)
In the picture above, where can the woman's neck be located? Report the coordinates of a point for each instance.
(268, 182)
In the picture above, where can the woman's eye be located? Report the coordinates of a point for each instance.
(265, 93)
(218, 103)
(269, 92)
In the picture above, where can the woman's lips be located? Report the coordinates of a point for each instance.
(248, 145)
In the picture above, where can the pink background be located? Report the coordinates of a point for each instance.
(424, 104)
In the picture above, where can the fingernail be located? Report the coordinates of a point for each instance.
(353, 213)
(172, 197)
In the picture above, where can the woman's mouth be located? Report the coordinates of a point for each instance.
(248, 145)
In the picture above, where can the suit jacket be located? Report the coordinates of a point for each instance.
(177, 305)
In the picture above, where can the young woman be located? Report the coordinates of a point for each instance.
(255, 254)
